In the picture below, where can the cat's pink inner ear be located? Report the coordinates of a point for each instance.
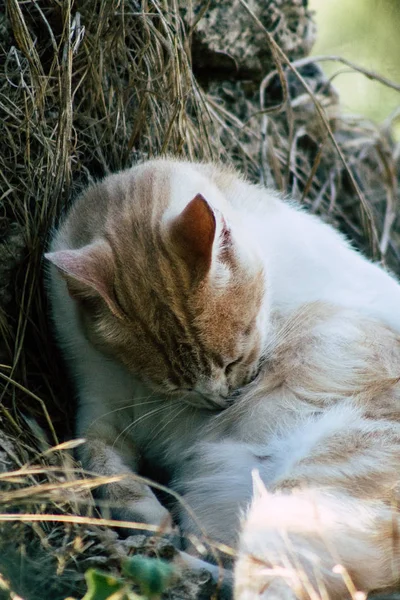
(194, 232)
(88, 271)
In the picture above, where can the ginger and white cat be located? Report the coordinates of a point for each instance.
(214, 330)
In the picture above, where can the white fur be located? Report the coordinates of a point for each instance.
(308, 260)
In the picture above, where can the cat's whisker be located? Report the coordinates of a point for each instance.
(140, 419)
(161, 426)
(156, 432)
(127, 407)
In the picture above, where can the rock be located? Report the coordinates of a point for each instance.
(227, 42)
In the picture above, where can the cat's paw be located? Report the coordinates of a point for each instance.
(152, 512)
(147, 510)
(220, 576)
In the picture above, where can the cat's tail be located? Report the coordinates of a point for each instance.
(315, 545)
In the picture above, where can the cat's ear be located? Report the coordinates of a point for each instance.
(88, 272)
(193, 233)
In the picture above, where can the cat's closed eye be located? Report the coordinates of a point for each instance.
(229, 367)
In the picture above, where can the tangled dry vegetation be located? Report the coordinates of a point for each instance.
(87, 87)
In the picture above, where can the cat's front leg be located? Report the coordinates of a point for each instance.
(128, 499)
(133, 501)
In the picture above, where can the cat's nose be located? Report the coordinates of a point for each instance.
(214, 389)
(235, 394)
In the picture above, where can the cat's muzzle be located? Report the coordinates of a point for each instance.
(209, 402)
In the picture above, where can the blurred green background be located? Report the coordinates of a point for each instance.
(368, 33)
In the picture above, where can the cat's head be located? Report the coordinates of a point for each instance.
(166, 285)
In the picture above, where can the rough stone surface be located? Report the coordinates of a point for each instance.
(228, 43)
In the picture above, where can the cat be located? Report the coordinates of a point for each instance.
(214, 329)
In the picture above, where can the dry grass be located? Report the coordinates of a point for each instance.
(87, 88)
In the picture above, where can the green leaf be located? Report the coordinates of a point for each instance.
(153, 575)
(101, 585)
